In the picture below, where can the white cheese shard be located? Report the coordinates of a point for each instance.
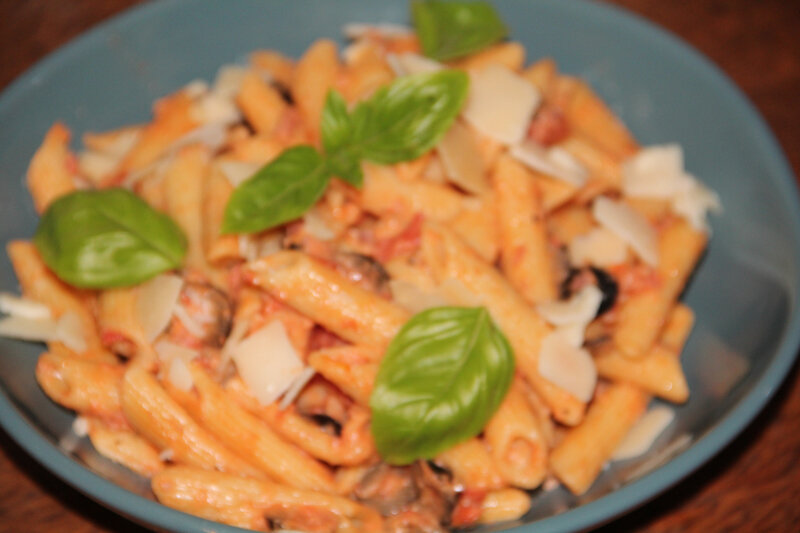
(215, 108)
(629, 226)
(296, 387)
(155, 303)
(96, 165)
(567, 366)
(267, 362)
(599, 247)
(658, 172)
(579, 309)
(554, 162)
(409, 63)
(168, 350)
(501, 103)
(23, 307)
(462, 160)
(238, 171)
(28, 329)
(644, 433)
(178, 374)
(194, 327)
(228, 80)
(196, 88)
(357, 30)
(80, 426)
(69, 330)
(315, 226)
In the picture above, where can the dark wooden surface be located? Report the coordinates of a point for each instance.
(753, 485)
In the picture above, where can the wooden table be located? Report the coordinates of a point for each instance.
(753, 485)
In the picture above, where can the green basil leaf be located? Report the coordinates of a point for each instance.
(346, 165)
(442, 378)
(409, 117)
(281, 191)
(449, 30)
(337, 139)
(107, 238)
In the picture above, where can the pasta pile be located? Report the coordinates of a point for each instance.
(240, 383)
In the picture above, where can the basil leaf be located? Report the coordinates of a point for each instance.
(449, 30)
(281, 191)
(337, 139)
(409, 117)
(107, 238)
(442, 378)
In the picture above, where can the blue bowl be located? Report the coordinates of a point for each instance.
(745, 293)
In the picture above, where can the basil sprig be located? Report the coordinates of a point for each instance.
(443, 376)
(449, 30)
(108, 238)
(398, 123)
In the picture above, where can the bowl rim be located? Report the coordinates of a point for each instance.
(594, 513)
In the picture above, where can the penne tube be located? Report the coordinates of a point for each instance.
(319, 292)
(89, 387)
(541, 74)
(280, 67)
(117, 318)
(172, 120)
(160, 419)
(363, 76)
(503, 505)
(658, 371)
(261, 104)
(579, 457)
(218, 248)
(555, 193)
(183, 189)
(125, 447)
(516, 442)
(642, 316)
(524, 250)
(253, 439)
(314, 75)
(252, 503)
(351, 368)
(40, 284)
(448, 257)
(384, 194)
(49, 175)
(677, 329)
(477, 225)
(471, 465)
(604, 170)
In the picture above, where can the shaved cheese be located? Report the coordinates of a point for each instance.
(462, 160)
(694, 203)
(80, 426)
(599, 247)
(629, 226)
(69, 330)
(296, 387)
(229, 80)
(215, 108)
(658, 172)
(644, 433)
(167, 350)
(356, 30)
(188, 322)
(23, 307)
(567, 367)
(212, 135)
(353, 52)
(238, 332)
(155, 303)
(554, 162)
(267, 362)
(573, 333)
(580, 309)
(270, 243)
(96, 165)
(28, 329)
(316, 226)
(179, 375)
(247, 247)
(195, 88)
(122, 143)
(501, 103)
(238, 171)
(408, 63)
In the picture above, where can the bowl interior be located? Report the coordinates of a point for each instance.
(744, 293)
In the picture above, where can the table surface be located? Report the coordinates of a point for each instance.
(753, 485)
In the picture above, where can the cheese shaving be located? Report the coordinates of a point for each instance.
(501, 103)
(554, 162)
(237, 171)
(599, 247)
(28, 329)
(580, 309)
(408, 63)
(156, 302)
(567, 367)
(296, 387)
(23, 307)
(69, 330)
(462, 160)
(644, 433)
(629, 226)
